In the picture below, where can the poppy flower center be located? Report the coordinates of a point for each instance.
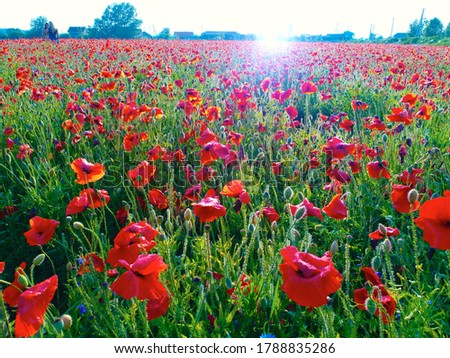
(306, 270)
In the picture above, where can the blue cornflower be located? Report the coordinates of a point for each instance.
(267, 335)
(82, 309)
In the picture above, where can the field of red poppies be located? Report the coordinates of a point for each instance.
(224, 189)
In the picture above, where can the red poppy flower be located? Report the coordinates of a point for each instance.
(378, 169)
(212, 113)
(77, 205)
(308, 279)
(311, 210)
(87, 172)
(2, 266)
(375, 124)
(32, 305)
(411, 177)
(271, 214)
(359, 105)
(410, 98)
(434, 220)
(41, 231)
(400, 115)
(235, 189)
(158, 199)
(339, 149)
(91, 258)
(355, 166)
(383, 233)
(122, 215)
(88, 198)
(132, 240)
(424, 112)
(192, 193)
(336, 208)
(309, 87)
(276, 168)
(235, 138)
(12, 292)
(379, 294)
(141, 280)
(158, 306)
(292, 112)
(213, 151)
(205, 137)
(399, 197)
(142, 174)
(8, 211)
(209, 208)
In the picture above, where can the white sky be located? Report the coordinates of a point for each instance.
(244, 16)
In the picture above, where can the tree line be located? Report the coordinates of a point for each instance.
(120, 21)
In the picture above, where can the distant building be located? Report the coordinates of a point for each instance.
(345, 36)
(145, 35)
(221, 35)
(183, 35)
(77, 32)
(400, 35)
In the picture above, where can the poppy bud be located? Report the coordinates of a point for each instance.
(23, 280)
(370, 306)
(274, 226)
(68, 219)
(376, 263)
(288, 192)
(295, 233)
(413, 195)
(67, 321)
(207, 229)
(159, 219)
(78, 226)
(69, 266)
(251, 228)
(188, 214)
(387, 245)
(39, 259)
(382, 229)
(334, 248)
(401, 243)
(300, 212)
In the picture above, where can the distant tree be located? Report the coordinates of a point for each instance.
(164, 34)
(434, 27)
(447, 30)
(118, 21)
(36, 26)
(416, 28)
(14, 33)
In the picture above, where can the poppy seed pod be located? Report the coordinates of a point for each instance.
(413, 195)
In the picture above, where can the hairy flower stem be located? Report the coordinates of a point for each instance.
(416, 246)
(8, 327)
